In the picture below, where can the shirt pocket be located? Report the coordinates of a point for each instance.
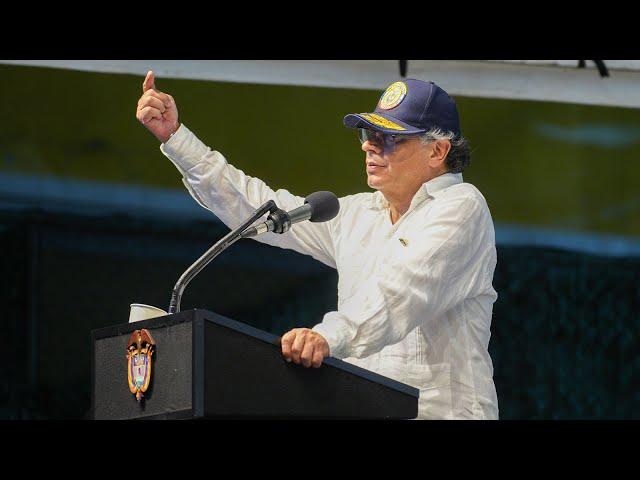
(422, 377)
(426, 377)
(436, 396)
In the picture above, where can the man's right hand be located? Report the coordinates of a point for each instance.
(156, 110)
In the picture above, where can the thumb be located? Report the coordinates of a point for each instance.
(149, 82)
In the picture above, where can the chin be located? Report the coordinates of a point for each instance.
(373, 182)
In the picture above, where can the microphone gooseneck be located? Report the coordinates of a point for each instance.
(213, 252)
(318, 207)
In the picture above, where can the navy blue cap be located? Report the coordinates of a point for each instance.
(409, 107)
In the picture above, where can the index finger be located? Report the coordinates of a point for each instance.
(285, 343)
(149, 81)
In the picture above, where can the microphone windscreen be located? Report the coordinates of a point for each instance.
(324, 206)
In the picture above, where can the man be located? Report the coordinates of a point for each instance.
(415, 258)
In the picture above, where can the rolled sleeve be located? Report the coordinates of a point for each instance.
(233, 196)
(184, 149)
(334, 330)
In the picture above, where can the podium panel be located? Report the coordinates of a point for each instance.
(208, 366)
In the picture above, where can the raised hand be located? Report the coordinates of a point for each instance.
(157, 110)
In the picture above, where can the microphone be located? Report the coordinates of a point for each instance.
(318, 207)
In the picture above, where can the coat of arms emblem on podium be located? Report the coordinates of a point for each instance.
(140, 348)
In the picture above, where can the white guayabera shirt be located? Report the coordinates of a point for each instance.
(415, 299)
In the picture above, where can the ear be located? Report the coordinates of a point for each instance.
(438, 153)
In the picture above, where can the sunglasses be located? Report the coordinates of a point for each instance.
(379, 138)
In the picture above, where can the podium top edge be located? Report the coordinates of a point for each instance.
(194, 314)
(158, 322)
(183, 317)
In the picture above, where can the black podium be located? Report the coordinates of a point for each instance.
(208, 366)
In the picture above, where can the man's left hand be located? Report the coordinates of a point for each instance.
(304, 346)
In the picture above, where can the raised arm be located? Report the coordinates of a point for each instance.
(221, 188)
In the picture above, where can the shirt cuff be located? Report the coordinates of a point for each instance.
(333, 330)
(184, 149)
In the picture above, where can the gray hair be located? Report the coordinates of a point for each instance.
(459, 156)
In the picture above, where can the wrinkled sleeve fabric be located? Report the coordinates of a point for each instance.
(417, 284)
(233, 196)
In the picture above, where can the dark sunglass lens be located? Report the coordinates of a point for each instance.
(366, 134)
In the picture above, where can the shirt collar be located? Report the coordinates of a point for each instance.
(435, 186)
(432, 188)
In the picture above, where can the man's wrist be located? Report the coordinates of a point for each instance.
(171, 134)
(184, 149)
(331, 336)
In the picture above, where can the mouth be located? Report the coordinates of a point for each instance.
(371, 163)
(372, 166)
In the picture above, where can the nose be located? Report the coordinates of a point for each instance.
(369, 146)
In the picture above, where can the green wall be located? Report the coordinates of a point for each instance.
(82, 125)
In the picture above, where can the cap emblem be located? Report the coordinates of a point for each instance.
(392, 96)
